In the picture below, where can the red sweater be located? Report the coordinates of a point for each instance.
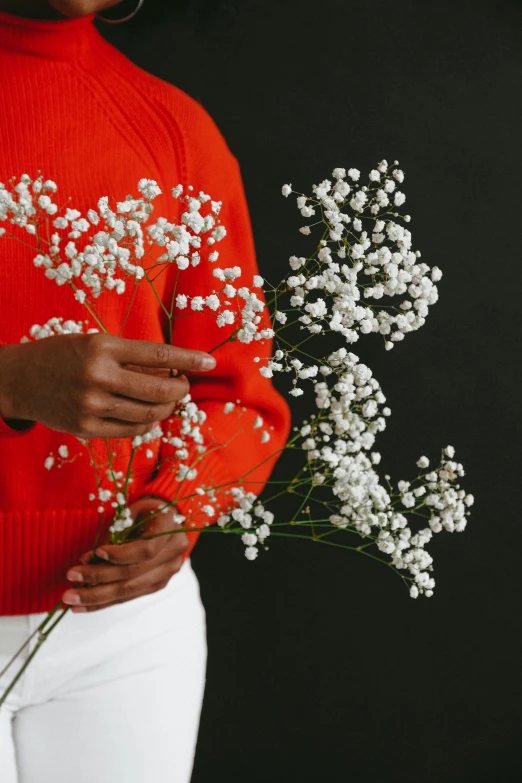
(77, 109)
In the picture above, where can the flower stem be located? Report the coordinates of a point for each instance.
(42, 636)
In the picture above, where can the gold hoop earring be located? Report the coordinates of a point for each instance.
(125, 18)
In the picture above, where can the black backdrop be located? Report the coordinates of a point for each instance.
(320, 665)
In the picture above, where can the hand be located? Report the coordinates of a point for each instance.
(82, 383)
(133, 569)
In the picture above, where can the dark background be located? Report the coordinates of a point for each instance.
(321, 668)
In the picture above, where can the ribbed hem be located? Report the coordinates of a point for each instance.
(36, 550)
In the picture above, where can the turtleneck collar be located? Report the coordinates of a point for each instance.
(57, 39)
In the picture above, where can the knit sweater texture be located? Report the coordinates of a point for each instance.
(80, 112)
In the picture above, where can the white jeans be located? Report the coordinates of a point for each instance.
(112, 696)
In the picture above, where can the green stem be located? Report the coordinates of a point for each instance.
(42, 634)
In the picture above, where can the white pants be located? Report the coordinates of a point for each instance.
(112, 696)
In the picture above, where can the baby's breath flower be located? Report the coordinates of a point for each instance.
(363, 277)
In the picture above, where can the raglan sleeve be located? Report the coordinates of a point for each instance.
(244, 444)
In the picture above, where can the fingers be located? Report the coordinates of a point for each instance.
(144, 549)
(123, 409)
(131, 569)
(149, 354)
(105, 573)
(145, 387)
(116, 592)
(163, 371)
(98, 608)
(92, 427)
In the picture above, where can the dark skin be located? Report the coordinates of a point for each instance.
(55, 9)
(137, 568)
(101, 386)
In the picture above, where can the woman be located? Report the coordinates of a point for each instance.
(115, 693)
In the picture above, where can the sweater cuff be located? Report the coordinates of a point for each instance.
(212, 472)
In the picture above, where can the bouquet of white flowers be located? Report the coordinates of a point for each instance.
(362, 277)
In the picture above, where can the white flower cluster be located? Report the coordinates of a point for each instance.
(251, 515)
(225, 304)
(114, 252)
(154, 434)
(189, 419)
(122, 519)
(55, 326)
(117, 249)
(179, 239)
(63, 456)
(350, 411)
(371, 510)
(338, 442)
(116, 498)
(104, 496)
(365, 255)
(18, 204)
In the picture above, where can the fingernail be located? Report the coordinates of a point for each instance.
(74, 576)
(103, 554)
(208, 362)
(71, 598)
(78, 609)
